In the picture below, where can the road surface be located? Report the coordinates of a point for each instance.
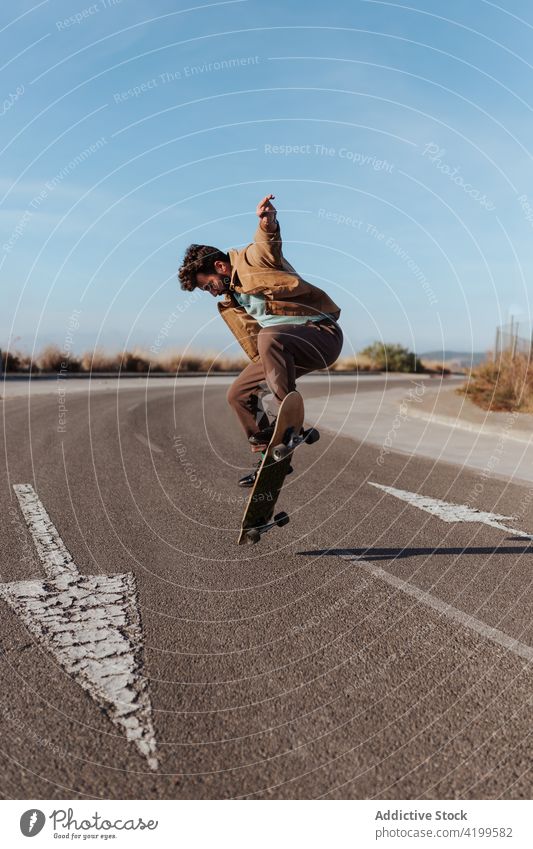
(377, 647)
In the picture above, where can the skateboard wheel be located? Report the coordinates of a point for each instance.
(281, 519)
(312, 435)
(280, 452)
(253, 536)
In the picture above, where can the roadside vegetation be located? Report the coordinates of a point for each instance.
(377, 357)
(502, 384)
(386, 357)
(51, 359)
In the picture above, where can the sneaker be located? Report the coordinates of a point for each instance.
(249, 480)
(262, 437)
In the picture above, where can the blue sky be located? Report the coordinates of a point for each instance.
(396, 139)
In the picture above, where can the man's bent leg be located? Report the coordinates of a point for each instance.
(242, 397)
(289, 351)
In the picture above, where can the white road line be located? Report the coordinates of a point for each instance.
(90, 623)
(52, 552)
(148, 444)
(494, 634)
(451, 512)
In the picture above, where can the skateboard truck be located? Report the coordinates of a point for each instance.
(253, 535)
(285, 448)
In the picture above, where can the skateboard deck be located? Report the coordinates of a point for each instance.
(272, 472)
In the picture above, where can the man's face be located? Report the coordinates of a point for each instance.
(217, 282)
(212, 283)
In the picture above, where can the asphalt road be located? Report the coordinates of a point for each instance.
(368, 650)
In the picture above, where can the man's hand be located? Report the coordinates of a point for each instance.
(267, 215)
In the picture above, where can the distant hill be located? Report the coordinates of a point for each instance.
(462, 358)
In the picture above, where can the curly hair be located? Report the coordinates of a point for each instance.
(198, 259)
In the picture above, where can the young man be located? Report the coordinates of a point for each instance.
(286, 326)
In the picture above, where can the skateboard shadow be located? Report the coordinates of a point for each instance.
(372, 553)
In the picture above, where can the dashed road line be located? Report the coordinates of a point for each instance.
(494, 634)
(90, 623)
(141, 438)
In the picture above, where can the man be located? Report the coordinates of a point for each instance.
(286, 326)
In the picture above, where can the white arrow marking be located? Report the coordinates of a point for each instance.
(91, 625)
(451, 512)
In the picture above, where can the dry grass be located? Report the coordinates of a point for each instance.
(356, 363)
(506, 384)
(98, 360)
(53, 359)
(176, 362)
(440, 367)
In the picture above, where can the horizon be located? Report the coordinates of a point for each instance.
(77, 352)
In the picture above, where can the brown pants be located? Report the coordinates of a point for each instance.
(287, 351)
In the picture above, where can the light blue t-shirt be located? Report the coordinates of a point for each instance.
(255, 306)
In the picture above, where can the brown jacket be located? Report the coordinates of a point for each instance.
(261, 268)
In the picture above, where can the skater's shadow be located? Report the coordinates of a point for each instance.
(372, 553)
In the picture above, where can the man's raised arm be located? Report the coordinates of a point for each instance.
(266, 247)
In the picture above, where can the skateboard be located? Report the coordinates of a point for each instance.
(288, 435)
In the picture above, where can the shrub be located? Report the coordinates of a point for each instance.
(10, 361)
(98, 360)
(52, 358)
(133, 361)
(387, 357)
